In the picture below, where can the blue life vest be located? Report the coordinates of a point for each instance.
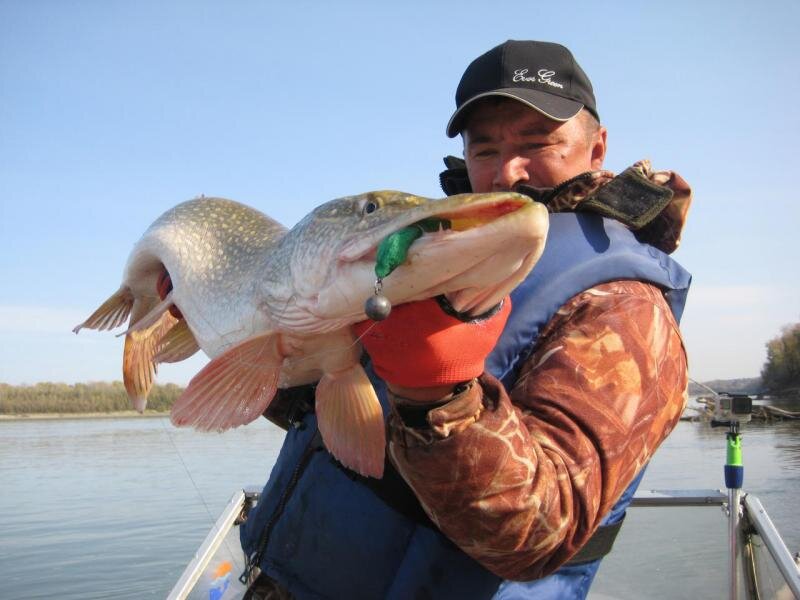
(330, 536)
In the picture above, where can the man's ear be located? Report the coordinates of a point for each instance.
(599, 148)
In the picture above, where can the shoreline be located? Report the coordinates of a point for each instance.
(132, 414)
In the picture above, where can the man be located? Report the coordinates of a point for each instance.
(523, 459)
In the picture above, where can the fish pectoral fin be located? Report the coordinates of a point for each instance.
(112, 313)
(350, 420)
(233, 389)
(138, 359)
(178, 344)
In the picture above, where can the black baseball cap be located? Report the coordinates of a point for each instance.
(543, 75)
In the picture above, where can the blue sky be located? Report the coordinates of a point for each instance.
(112, 112)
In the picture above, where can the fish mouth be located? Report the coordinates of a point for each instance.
(508, 248)
(456, 213)
(485, 245)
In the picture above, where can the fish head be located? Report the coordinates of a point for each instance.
(316, 243)
(486, 245)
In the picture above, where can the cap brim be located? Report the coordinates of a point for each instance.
(552, 107)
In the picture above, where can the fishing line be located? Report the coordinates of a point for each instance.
(196, 487)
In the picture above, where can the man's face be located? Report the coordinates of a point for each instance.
(507, 143)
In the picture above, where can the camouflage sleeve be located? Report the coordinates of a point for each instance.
(520, 483)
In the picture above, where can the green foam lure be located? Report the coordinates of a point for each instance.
(393, 250)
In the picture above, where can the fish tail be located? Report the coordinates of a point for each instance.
(177, 344)
(138, 359)
(112, 313)
(142, 322)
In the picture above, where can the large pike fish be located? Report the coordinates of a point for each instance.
(272, 307)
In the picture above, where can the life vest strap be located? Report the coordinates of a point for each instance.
(600, 544)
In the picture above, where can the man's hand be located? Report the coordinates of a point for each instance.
(422, 352)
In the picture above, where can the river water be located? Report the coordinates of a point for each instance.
(115, 508)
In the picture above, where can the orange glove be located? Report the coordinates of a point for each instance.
(419, 345)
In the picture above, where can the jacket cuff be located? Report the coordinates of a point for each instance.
(434, 421)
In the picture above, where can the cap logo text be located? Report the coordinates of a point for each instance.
(542, 76)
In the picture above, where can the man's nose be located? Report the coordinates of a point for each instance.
(512, 171)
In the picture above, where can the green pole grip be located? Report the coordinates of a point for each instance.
(734, 450)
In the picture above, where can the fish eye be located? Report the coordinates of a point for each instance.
(370, 207)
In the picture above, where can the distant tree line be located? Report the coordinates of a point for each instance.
(780, 373)
(746, 385)
(79, 398)
(782, 370)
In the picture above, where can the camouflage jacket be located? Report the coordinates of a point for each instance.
(520, 479)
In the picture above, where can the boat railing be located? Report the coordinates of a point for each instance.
(234, 513)
(754, 528)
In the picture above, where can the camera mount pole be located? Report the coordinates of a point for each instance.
(734, 476)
